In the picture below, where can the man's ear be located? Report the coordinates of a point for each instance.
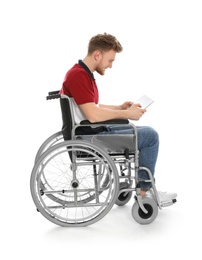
(97, 55)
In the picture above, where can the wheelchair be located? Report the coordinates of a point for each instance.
(77, 178)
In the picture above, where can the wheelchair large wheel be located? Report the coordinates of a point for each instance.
(145, 218)
(74, 183)
(50, 141)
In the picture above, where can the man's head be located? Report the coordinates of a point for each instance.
(103, 48)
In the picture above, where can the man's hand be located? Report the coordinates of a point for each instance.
(136, 112)
(126, 105)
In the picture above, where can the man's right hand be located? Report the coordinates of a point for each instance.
(136, 112)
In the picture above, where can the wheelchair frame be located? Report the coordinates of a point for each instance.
(76, 183)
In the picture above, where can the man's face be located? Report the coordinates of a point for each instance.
(105, 61)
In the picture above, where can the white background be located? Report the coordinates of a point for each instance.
(162, 57)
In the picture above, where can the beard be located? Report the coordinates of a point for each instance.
(100, 70)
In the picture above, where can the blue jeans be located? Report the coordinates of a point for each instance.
(148, 146)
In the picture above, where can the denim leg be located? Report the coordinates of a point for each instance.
(148, 146)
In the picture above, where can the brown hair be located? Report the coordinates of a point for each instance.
(104, 42)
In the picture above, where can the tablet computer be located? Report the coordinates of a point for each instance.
(144, 101)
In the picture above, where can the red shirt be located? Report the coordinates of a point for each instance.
(80, 84)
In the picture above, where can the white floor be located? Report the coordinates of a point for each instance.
(27, 234)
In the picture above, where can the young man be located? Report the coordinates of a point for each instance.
(79, 83)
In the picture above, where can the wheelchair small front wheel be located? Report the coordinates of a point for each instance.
(145, 218)
(124, 196)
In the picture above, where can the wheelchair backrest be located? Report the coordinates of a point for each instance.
(67, 117)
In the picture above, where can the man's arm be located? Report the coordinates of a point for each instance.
(102, 113)
(124, 106)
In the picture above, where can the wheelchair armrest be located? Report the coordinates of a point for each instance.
(107, 122)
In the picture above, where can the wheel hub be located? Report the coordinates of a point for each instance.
(75, 184)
